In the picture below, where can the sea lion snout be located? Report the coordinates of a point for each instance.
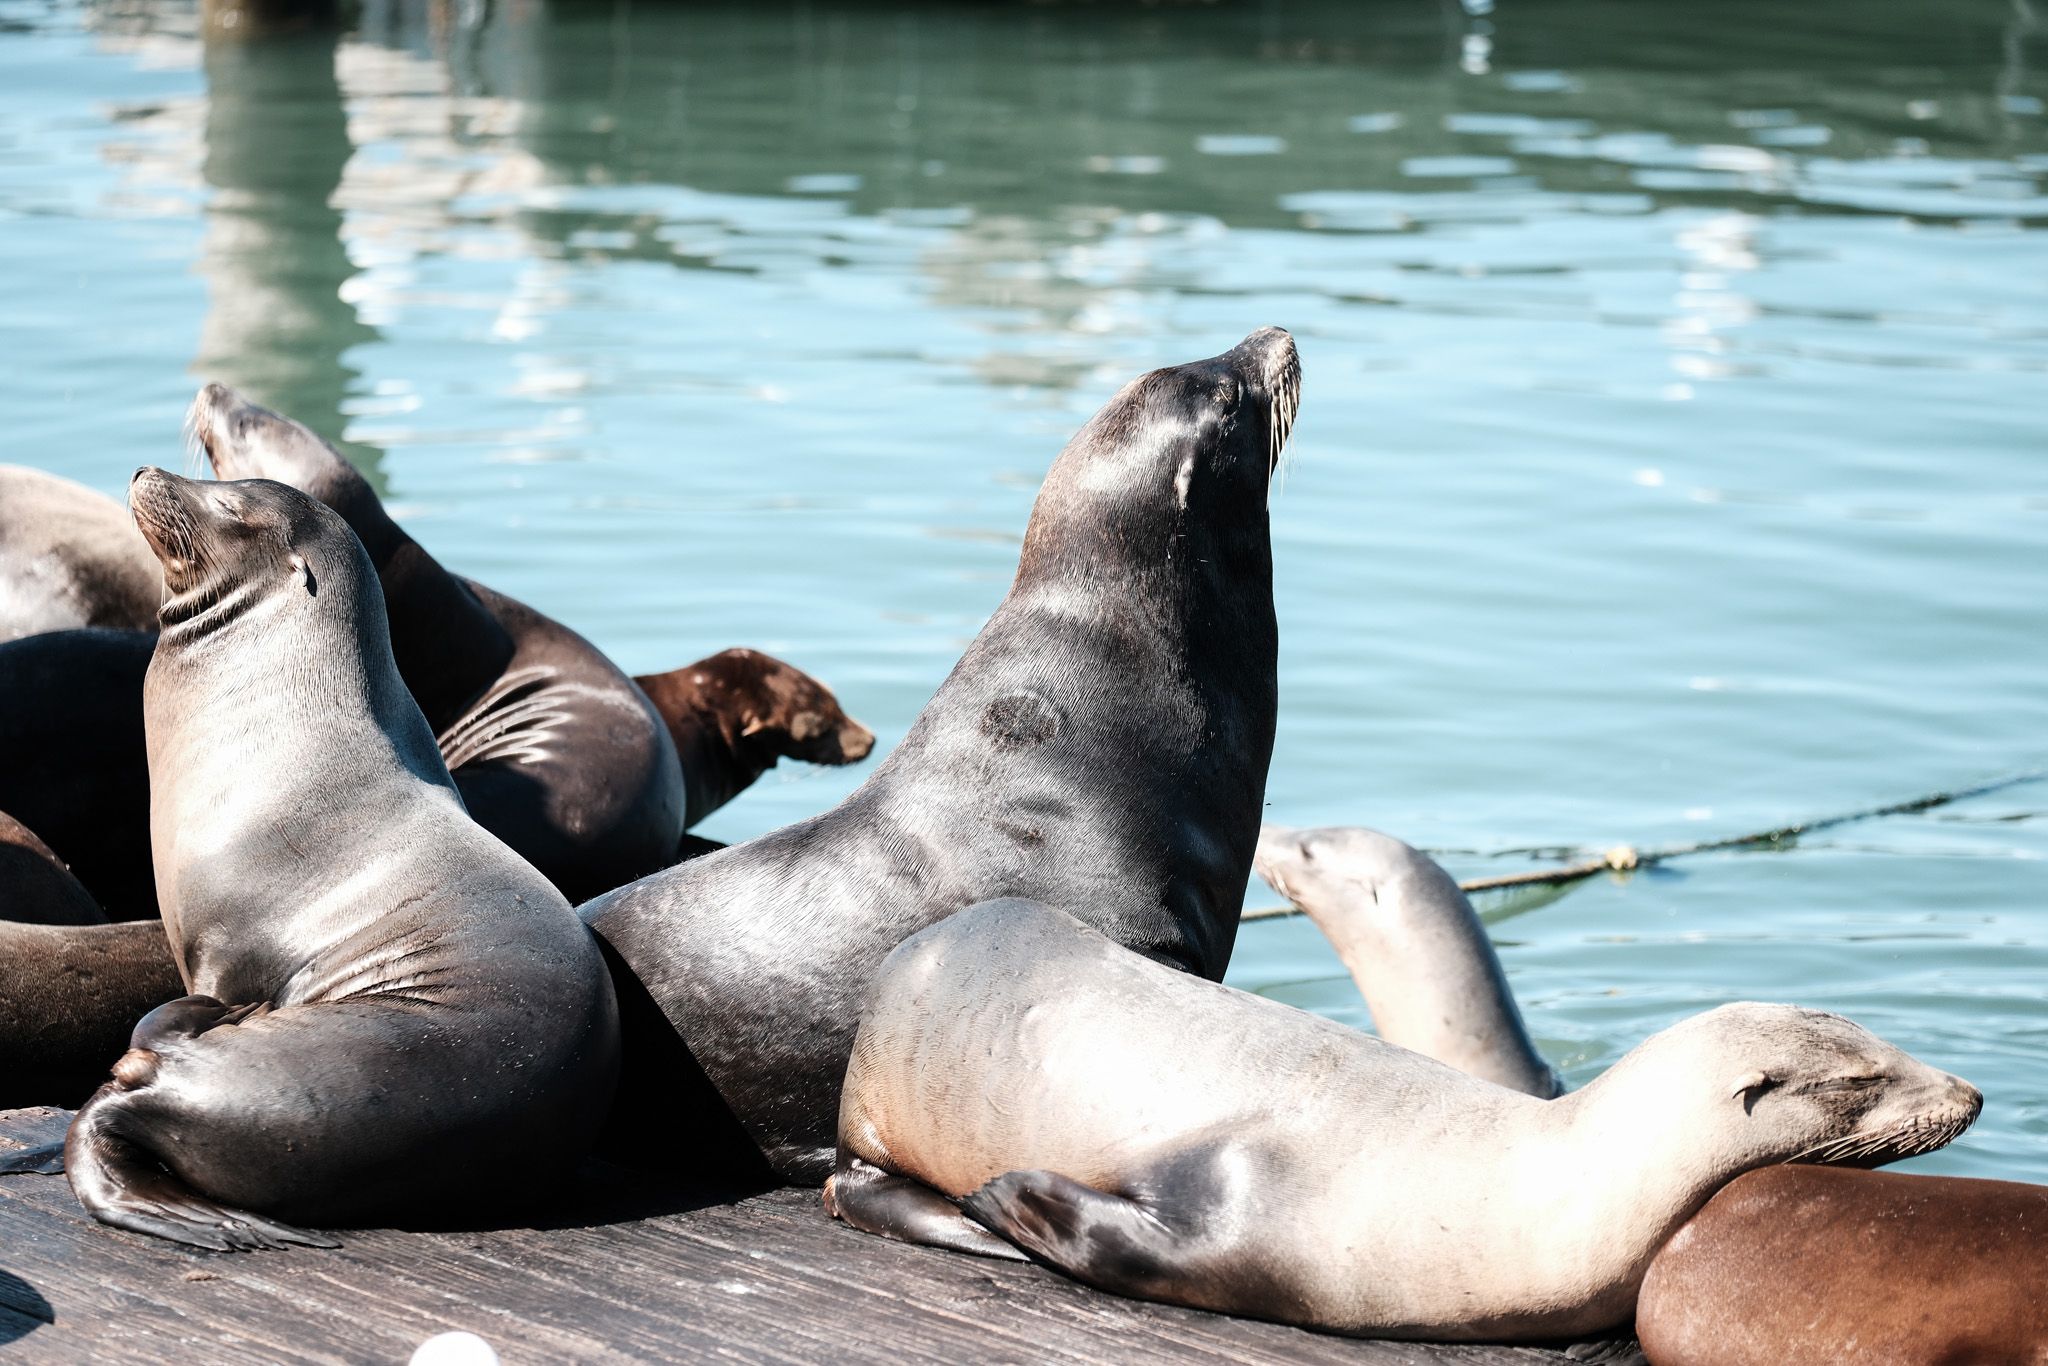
(158, 501)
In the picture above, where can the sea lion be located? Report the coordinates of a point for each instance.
(73, 766)
(1415, 947)
(732, 715)
(35, 886)
(553, 747)
(1796, 1264)
(390, 1012)
(71, 985)
(69, 557)
(1020, 1081)
(1103, 743)
(69, 995)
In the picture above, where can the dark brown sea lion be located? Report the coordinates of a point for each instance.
(73, 767)
(552, 746)
(732, 715)
(69, 995)
(69, 557)
(1021, 1082)
(1819, 1264)
(35, 886)
(390, 1012)
(71, 985)
(1102, 744)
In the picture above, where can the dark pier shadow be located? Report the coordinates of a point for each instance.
(22, 1308)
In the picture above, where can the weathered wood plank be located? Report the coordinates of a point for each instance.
(619, 1274)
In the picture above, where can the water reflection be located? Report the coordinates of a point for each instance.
(278, 322)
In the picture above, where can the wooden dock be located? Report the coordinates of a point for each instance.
(618, 1275)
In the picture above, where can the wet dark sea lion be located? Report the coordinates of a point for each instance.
(552, 746)
(1818, 1264)
(390, 1014)
(732, 715)
(1103, 744)
(69, 557)
(73, 767)
(35, 886)
(1020, 1082)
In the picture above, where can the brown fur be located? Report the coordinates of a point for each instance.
(1795, 1264)
(734, 714)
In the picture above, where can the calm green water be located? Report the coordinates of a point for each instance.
(1670, 463)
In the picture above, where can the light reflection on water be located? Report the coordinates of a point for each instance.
(1670, 459)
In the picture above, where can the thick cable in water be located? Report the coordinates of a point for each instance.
(1626, 858)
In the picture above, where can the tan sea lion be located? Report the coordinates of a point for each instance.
(1021, 1082)
(1415, 947)
(1820, 1264)
(69, 557)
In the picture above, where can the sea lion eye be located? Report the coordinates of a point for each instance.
(1842, 1084)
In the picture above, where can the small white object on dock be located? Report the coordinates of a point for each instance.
(454, 1349)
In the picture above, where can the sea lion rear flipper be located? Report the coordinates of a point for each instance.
(1109, 1241)
(892, 1206)
(46, 1160)
(119, 1184)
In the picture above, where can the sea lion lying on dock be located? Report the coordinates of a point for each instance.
(1794, 1264)
(1022, 1082)
(390, 1012)
(1103, 743)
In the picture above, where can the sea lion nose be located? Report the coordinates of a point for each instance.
(1966, 1096)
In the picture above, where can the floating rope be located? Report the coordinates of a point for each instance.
(1625, 858)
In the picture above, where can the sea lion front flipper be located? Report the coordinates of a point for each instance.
(893, 1206)
(1109, 1241)
(119, 1184)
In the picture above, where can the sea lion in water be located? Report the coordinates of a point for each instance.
(1415, 947)
(390, 1012)
(1103, 743)
(69, 557)
(73, 766)
(1795, 1264)
(35, 886)
(732, 715)
(552, 746)
(1169, 1138)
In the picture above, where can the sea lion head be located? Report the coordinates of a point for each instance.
(243, 440)
(1808, 1086)
(774, 708)
(225, 547)
(1331, 867)
(1175, 467)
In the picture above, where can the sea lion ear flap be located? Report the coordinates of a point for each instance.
(303, 572)
(1749, 1083)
